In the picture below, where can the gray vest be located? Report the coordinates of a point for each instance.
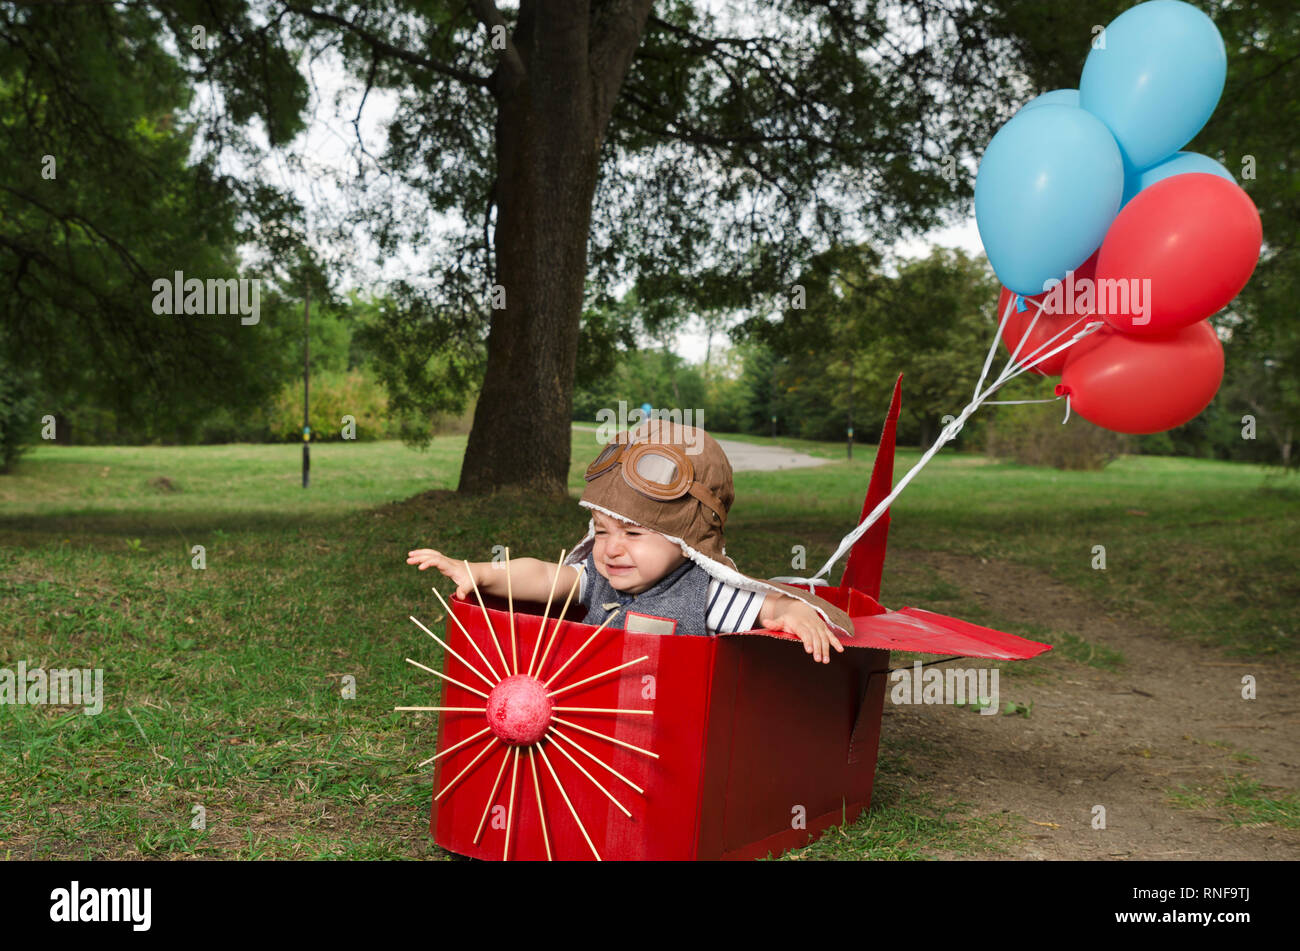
(682, 595)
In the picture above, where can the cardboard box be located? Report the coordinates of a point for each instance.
(729, 747)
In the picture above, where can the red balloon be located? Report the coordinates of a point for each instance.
(1145, 384)
(1178, 252)
(1060, 313)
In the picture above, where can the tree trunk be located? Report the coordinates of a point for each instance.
(62, 430)
(546, 181)
(551, 119)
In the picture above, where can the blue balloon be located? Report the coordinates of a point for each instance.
(1058, 97)
(1157, 79)
(1048, 187)
(1177, 164)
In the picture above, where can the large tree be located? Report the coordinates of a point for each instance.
(584, 146)
(558, 151)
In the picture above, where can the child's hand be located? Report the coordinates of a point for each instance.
(801, 619)
(455, 570)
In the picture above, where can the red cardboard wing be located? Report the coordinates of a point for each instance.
(918, 630)
(914, 629)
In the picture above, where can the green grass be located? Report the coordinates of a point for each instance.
(1242, 801)
(1084, 652)
(907, 824)
(232, 673)
(1203, 548)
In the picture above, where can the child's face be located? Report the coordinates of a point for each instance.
(631, 558)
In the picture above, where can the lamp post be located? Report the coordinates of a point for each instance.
(306, 390)
(850, 426)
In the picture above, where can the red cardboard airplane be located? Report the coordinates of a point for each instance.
(560, 740)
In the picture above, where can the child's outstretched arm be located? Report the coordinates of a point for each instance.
(530, 579)
(781, 612)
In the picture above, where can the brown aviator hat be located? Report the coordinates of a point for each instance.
(676, 480)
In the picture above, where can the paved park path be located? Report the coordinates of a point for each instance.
(752, 457)
(747, 456)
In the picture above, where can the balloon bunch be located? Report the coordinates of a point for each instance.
(1113, 247)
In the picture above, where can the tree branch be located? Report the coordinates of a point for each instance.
(491, 17)
(616, 30)
(123, 253)
(378, 44)
(706, 43)
(693, 136)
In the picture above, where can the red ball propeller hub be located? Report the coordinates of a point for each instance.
(519, 711)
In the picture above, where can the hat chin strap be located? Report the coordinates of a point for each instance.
(709, 501)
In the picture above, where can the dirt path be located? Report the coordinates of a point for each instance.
(1172, 716)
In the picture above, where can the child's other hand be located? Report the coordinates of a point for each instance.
(812, 630)
(455, 570)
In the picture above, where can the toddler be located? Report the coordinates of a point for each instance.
(659, 497)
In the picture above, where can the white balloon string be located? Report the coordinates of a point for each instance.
(1033, 353)
(1088, 329)
(1025, 336)
(851, 538)
(988, 360)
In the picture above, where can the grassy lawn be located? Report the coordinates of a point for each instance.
(1202, 547)
(1241, 799)
(222, 685)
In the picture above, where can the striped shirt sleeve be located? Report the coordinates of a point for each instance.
(731, 610)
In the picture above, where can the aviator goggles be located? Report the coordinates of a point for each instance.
(660, 471)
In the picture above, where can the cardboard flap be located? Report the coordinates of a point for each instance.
(915, 629)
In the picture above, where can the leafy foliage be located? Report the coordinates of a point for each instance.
(861, 326)
(17, 415)
(742, 156)
(99, 199)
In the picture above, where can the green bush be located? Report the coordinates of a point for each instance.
(1032, 435)
(334, 395)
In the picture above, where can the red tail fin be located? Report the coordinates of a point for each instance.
(867, 558)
